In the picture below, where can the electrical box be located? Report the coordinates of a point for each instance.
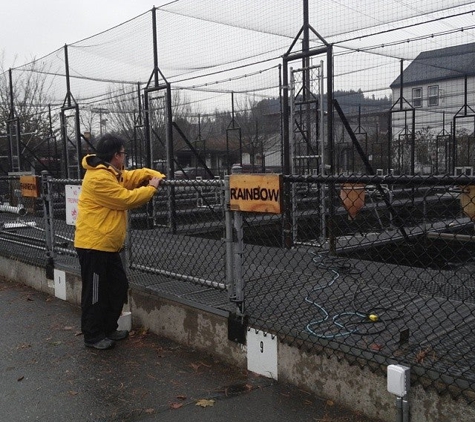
(398, 380)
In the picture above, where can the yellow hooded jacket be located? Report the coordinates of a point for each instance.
(106, 195)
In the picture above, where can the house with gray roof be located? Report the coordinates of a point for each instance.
(439, 85)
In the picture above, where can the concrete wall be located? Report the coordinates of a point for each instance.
(329, 376)
(186, 325)
(35, 277)
(361, 389)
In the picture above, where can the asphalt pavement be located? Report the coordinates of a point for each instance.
(48, 375)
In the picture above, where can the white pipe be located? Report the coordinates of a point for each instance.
(18, 225)
(15, 210)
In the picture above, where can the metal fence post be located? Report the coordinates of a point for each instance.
(229, 241)
(48, 220)
(238, 254)
(234, 249)
(237, 250)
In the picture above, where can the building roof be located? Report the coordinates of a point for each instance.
(436, 65)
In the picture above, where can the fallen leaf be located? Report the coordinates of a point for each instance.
(149, 411)
(376, 347)
(21, 378)
(181, 397)
(73, 393)
(175, 405)
(422, 354)
(330, 403)
(141, 331)
(205, 403)
(24, 346)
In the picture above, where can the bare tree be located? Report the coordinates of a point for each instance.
(125, 116)
(25, 103)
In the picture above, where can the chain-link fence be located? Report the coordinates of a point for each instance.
(389, 280)
(380, 272)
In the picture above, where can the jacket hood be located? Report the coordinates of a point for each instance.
(93, 162)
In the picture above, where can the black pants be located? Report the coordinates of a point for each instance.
(104, 292)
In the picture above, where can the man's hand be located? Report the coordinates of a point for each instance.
(155, 182)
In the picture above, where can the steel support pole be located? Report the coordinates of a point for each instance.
(47, 214)
(229, 240)
(234, 255)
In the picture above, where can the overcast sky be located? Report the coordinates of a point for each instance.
(31, 28)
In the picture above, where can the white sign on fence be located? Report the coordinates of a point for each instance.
(262, 353)
(72, 195)
(60, 284)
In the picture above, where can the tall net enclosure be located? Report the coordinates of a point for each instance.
(211, 51)
(198, 87)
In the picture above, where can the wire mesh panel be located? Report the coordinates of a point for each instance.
(392, 282)
(191, 252)
(22, 228)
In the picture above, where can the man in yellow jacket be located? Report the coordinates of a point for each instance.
(107, 192)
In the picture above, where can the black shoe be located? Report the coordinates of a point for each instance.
(118, 335)
(104, 344)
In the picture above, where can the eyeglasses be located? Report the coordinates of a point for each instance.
(122, 153)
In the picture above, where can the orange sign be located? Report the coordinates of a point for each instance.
(30, 186)
(256, 193)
